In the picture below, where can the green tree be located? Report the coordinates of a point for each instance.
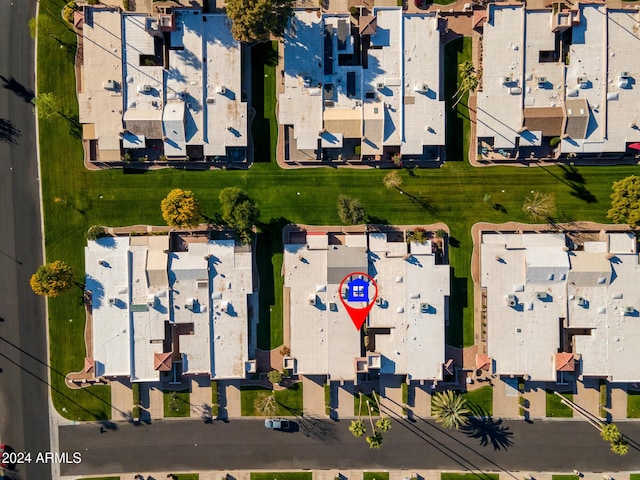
(52, 279)
(450, 409)
(350, 210)
(392, 180)
(257, 20)
(539, 206)
(375, 440)
(239, 211)
(180, 208)
(68, 11)
(95, 232)
(48, 106)
(266, 404)
(274, 376)
(625, 201)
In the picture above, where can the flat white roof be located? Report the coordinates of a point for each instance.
(102, 55)
(301, 103)
(599, 295)
(413, 293)
(323, 337)
(224, 110)
(107, 278)
(424, 115)
(203, 292)
(500, 103)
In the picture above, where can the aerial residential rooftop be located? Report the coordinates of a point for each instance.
(548, 295)
(185, 310)
(562, 72)
(348, 85)
(175, 88)
(405, 326)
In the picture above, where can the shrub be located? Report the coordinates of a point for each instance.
(95, 232)
(419, 235)
(357, 150)
(136, 412)
(354, 11)
(554, 141)
(441, 233)
(285, 351)
(135, 390)
(274, 376)
(68, 10)
(125, 4)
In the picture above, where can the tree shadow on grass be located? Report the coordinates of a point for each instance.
(575, 181)
(486, 429)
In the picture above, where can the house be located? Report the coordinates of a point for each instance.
(556, 304)
(163, 86)
(406, 324)
(561, 73)
(372, 87)
(160, 307)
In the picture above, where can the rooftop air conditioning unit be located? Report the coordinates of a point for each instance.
(312, 299)
(507, 79)
(541, 295)
(345, 291)
(511, 299)
(380, 85)
(103, 263)
(581, 301)
(624, 75)
(222, 90)
(628, 310)
(583, 82)
(542, 80)
(146, 88)
(424, 307)
(112, 301)
(379, 301)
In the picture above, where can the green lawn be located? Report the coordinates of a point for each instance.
(469, 476)
(75, 199)
(375, 475)
(264, 59)
(186, 476)
(214, 399)
(289, 401)
(480, 401)
(282, 476)
(634, 476)
(555, 407)
(565, 477)
(633, 405)
(176, 404)
(364, 412)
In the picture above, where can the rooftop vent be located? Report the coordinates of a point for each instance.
(629, 310)
(542, 80)
(581, 301)
(583, 82)
(112, 301)
(421, 88)
(312, 299)
(624, 75)
(424, 307)
(379, 301)
(507, 79)
(511, 299)
(221, 89)
(380, 85)
(211, 100)
(541, 295)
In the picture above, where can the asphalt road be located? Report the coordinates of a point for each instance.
(24, 419)
(174, 445)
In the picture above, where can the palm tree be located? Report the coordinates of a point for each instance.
(620, 446)
(610, 432)
(357, 427)
(384, 424)
(539, 206)
(375, 440)
(450, 409)
(468, 81)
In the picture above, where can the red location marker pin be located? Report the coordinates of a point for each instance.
(357, 288)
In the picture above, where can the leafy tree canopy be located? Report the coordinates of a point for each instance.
(257, 20)
(239, 211)
(625, 201)
(49, 107)
(181, 209)
(52, 279)
(350, 210)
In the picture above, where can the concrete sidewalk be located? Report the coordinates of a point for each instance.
(358, 474)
